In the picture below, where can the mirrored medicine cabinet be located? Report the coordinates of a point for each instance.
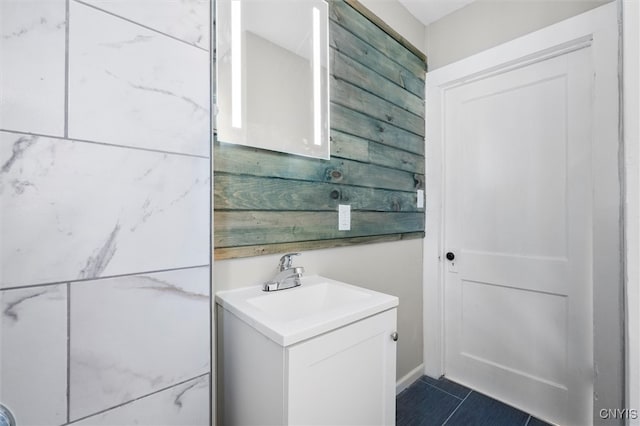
(272, 75)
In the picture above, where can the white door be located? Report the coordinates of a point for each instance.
(518, 219)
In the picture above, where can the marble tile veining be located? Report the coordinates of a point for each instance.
(76, 210)
(132, 86)
(32, 54)
(33, 361)
(185, 404)
(187, 20)
(134, 335)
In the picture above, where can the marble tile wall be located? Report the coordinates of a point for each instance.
(105, 292)
(135, 68)
(33, 355)
(97, 210)
(32, 51)
(135, 335)
(184, 404)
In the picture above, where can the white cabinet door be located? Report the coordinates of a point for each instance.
(346, 377)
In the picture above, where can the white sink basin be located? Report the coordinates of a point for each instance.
(306, 300)
(317, 306)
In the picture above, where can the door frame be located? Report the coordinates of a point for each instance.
(599, 28)
(631, 130)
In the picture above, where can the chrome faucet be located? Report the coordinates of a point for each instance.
(288, 276)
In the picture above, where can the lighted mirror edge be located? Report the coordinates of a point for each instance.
(236, 64)
(320, 128)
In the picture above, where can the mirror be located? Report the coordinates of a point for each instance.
(272, 75)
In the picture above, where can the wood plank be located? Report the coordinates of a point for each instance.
(352, 147)
(344, 145)
(349, 18)
(259, 250)
(345, 68)
(356, 123)
(397, 159)
(345, 42)
(256, 162)
(387, 28)
(245, 228)
(233, 192)
(353, 97)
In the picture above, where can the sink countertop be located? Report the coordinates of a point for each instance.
(317, 306)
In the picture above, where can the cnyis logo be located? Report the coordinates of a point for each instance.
(619, 413)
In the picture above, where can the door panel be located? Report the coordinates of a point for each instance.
(509, 344)
(525, 201)
(518, 212)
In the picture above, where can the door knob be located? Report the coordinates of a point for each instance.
(394, 336)
(450, 255)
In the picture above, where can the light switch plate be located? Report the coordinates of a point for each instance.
(344, 217)
(420, 198)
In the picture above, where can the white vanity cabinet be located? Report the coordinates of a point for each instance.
(345, 376)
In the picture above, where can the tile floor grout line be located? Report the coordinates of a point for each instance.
(442, 390)
(456, 409)
(413, 390)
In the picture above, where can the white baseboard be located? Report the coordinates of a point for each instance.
(409, 378)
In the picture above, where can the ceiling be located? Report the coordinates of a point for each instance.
(429, 11)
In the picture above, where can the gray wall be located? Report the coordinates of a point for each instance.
(488, 23)
(400, 19)
(104, 206)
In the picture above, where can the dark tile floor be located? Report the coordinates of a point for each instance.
(431, 402)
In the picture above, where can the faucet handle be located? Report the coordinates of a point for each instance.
(286, 260)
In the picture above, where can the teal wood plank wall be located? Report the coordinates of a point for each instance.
(270, 202)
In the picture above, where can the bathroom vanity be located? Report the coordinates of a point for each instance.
(323, 353)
